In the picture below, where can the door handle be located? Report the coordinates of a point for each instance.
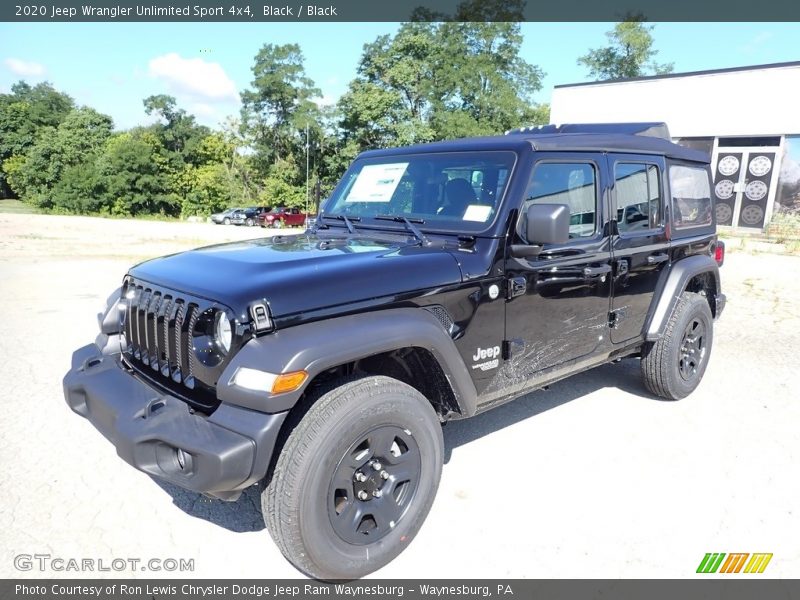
(562, 253)
(654, 259)
(589, 272)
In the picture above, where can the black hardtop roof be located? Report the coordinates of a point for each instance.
(545, 141)
(615, 142)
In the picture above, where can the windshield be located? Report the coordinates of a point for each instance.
(453, 191)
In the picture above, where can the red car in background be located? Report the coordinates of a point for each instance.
(283, 216)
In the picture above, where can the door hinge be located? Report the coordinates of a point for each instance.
(512, 347)
(517, 286)
(616, 316)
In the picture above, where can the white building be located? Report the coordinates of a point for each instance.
(747, 118)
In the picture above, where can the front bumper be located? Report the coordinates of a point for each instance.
(218, 455)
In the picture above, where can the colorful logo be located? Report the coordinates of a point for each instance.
(713, 562)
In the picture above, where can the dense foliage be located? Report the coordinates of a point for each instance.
(430, 81)
(629, 53)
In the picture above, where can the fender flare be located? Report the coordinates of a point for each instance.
(676, 281)
(322, 345)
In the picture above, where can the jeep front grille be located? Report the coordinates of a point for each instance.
(159, 329)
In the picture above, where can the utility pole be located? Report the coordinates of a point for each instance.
(307, 152)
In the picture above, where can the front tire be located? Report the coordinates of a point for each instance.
(226, 221)
(673, 366)
(249, 222)
(355, 479)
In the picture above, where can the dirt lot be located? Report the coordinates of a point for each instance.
(592, 478)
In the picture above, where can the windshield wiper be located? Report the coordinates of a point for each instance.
(347, 221)
(409, 223)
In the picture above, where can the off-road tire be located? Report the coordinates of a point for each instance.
(663, 361)
(296, 500)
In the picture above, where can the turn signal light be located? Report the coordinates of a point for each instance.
(289, 382)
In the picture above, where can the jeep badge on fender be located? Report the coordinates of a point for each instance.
(487, 353)
(438, 281)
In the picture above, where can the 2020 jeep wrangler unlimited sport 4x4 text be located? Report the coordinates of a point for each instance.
(439, 281)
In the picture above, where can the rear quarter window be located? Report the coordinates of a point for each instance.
(691, 197)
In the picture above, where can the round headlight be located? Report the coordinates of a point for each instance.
(222, 330)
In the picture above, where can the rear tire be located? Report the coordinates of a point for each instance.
(673, 366)
(327, 521)
(249, 222)
(226, 221)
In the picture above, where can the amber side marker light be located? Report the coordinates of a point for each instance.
(289, 382)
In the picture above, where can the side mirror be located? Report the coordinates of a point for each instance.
(545, 224)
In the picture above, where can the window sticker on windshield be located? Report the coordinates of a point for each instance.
(477, 212)
(376, 183)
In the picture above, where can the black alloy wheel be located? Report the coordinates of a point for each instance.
(374, 484)
(693, 349)
(355, 478)
(673, 365)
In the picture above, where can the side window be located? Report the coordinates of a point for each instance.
(691, 197)
(573, 184)
(638, 193)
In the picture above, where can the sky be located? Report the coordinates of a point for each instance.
(112, 67)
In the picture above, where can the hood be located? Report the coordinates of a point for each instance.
(301, 273)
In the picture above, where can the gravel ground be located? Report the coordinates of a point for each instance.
(592, 478)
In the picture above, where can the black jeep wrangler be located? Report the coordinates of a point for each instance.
(440, 280)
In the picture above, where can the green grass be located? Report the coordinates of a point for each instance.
(793, 247)
(791, 219)
(17, 207)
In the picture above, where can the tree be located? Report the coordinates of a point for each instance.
(207, 190)
(74, 146)
(179, 132)
(390, 100)
(483, 86)
(212, 184)
(237, 164)
(25, 114)
(279, 105)
(135, 177)
(434, 81)
(629, 53)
